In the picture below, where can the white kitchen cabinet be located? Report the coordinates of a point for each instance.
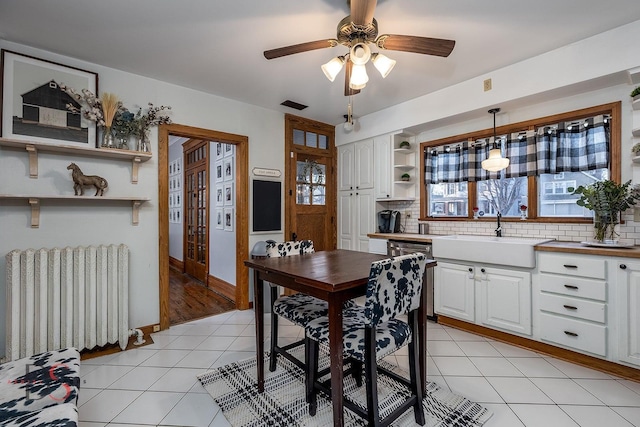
(454, 291)
(573, 301)
(504, 299)
(497, 298)
(356, 219)
(355, 166)
(628, 310)
(382, 158)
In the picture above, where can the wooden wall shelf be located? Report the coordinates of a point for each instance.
(136, 157)
(34, 202)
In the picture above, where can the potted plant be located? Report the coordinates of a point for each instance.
(634, 93)
(636, 149)
(405, 145)
(405, 177)
(607, 199)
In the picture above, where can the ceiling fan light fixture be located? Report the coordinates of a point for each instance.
(360, 53)
(383, 64)
(359, 77)
(495, 162)
(333, 67)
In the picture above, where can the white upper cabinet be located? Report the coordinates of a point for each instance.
(355, 166)
(382, 156)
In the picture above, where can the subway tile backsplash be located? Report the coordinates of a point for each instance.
(559, 231)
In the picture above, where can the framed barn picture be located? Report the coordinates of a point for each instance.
(34, 108)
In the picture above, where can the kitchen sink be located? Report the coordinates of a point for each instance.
(509, 251)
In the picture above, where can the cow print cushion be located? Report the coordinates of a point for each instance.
(40, 381)
(390, 336)
(64, 415)
(394, 289)
(302, 308)
(289, 248)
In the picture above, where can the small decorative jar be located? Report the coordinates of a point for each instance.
(523, 212)
(475, 212)
(107, 138)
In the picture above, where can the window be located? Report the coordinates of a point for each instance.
(549, 157)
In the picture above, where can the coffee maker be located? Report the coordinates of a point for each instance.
(389, 221)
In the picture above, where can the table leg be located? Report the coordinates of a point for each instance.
(258, 306)
(335, 344)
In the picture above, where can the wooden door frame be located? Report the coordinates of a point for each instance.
(241, 210)
(290, 171)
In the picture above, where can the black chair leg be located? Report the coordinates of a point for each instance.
(371, 377)
(414, 372)
(356, 371)
(274, 331)
(312, 373)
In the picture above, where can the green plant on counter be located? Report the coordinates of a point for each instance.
(607, 199)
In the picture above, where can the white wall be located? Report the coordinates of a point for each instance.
(75, 224)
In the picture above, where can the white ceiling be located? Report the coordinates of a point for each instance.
(216, 46)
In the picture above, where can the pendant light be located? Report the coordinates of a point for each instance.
(495, 162)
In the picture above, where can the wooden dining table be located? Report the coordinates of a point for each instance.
(334, 276)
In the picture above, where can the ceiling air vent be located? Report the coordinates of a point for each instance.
(294, 105)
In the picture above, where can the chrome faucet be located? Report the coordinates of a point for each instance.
(499, 228)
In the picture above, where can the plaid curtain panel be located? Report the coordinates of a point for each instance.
(553, 149)
(574, 147)
(456, 164)
(521, 152)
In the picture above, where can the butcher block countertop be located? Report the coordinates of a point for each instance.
(554, 246)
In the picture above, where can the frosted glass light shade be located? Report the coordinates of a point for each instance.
(495, 162)
(383, 64)
(333, 67)
(359, 77)
(360, 53)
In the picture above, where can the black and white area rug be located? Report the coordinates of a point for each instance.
(234, 389)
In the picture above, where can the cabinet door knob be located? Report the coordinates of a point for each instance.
(571, 334)
(570, 307)
(623, 266)
(470, 270)
(483, 270)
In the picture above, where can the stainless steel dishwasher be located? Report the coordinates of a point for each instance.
(400, 247)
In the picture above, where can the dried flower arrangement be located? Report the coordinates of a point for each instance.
(100, 110)
(152, 117)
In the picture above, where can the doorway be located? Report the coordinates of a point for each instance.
(310, 182)
(240, 292)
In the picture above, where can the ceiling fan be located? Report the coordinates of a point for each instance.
(356, 32)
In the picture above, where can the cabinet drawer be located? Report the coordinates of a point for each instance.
(592, 267)
(573, 286)
(577, 334)
(581, 309)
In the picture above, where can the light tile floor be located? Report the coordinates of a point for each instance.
(156, 384)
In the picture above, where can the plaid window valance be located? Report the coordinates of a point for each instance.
(565, 147)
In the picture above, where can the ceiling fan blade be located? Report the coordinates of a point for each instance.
(416, 44)
(347, 76)
(299, 48)
(362, 11)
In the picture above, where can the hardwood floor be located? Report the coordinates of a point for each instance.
(190, 299)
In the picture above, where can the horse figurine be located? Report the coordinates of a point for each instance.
(80, 180)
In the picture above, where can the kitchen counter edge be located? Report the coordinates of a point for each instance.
(553, 246)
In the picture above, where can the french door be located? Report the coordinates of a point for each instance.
(196, 235)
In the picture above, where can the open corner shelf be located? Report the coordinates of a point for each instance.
(136, 157)
(34, 202)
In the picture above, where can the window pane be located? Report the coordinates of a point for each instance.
(322, 141)
(318, 173)
(502, 195)
(318, 195)
(555, 199)
(303, 193)
(448, 199)
(298, 137)
(312, 140)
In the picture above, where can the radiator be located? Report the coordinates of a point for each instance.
(71, 297)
